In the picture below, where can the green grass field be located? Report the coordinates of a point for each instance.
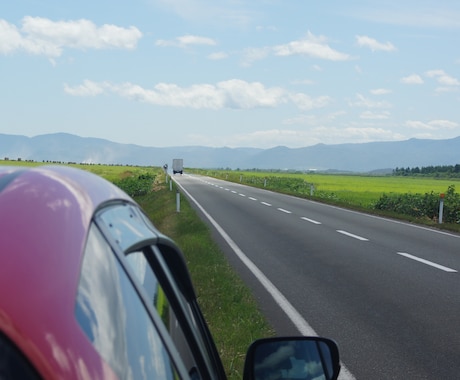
(227, 304)
(357, 190)
(110, 172)
(365, 191)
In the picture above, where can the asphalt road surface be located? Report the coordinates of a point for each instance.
(387, 292)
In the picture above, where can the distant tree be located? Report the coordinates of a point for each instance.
(448, 171)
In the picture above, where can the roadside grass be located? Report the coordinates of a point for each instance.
(358, 192)
(227, 304)
(355, 189)
(111, 173)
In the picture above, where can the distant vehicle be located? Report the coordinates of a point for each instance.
(89, 289)
(178, 165)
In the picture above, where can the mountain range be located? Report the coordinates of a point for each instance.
(362, 157)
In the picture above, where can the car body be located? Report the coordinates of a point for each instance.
(90, 289)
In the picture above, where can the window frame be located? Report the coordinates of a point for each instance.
(168, 264)
(150, 314)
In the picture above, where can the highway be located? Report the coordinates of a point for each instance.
(387, 292)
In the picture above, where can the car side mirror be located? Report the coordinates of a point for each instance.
(292, 358)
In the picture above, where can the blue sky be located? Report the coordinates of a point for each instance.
(233, 73)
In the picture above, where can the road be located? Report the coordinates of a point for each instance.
(387, 292)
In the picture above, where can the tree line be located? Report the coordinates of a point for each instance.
(448, 171)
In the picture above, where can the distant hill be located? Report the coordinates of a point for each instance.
(365, 157)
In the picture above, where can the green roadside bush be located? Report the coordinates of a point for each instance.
(422, 206)
(281, 184)
(227, 303)
(136, 185)
(394, 196)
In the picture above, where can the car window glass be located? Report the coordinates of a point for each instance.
(126, 224)
(161, 303)
(129, 228)
(113, 317)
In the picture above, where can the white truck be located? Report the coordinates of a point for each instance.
(178, 165)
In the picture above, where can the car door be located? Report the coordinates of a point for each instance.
(117, 319)
(158, 268)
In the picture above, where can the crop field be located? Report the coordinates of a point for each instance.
(356, 190)
(228, 305)
(365, 191)
(112, 173)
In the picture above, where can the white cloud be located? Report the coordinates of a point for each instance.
(403, 13)
(262, 139)
(251, 55)
(240, 94)
(433, 125)
(307, 82)
(234, 94)
(380, 91)
(232, 13)
(42, 36)
(374, 45)
(444, 124)
(369, 115)
(443, 78)
(412, 79)
(441, 90)
(362, 134)
(320, 134)
(306, 102)
(88, 88)
(10, 38)
(313, 46)
(186, 41)
(261, 28)
(218, 56)
(362, 101)
(299, 138)
(313, 119)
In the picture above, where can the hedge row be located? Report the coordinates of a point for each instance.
(423, 205)
(136, 185)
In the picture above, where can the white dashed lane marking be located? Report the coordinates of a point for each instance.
(430, 263)
(285, 211)
(345, 233)
(310, 220)
(352, 235)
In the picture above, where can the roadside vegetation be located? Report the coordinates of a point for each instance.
(227, 304)
(440, 171)
(412, 198)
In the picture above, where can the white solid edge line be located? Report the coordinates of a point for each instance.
(438, 266)
(299, 322)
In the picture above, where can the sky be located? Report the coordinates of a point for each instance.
(231, 73)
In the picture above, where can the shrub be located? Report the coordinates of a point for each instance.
(422, 205)
(136, 185)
